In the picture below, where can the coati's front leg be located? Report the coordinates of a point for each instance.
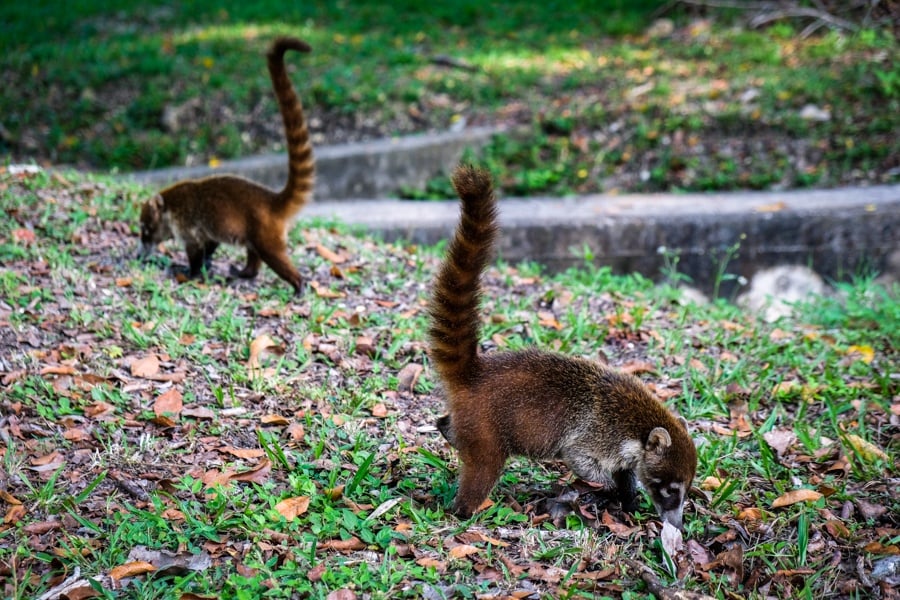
(626, 489)
(196, 253)
(478, 472)
(208, 250)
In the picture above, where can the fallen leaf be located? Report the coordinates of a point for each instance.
(316, 573)
(23, 236)
(243, 452)
(427, 561)
(379, 410)
(795, 496)
(866, 450)
(711, 483)
(323, 292)
(671, 540)
(168, 403)
(131, 569)
(291, 508)
(330, 255)
(14, 514)
(296, 432)
(199, 412)
(262, 345)
(463, 550)
(9, 498)
(349, 545)
(637, 366)
(259, 474)
(145, 367)
(863, 353)
(780, 440)
(274, 420)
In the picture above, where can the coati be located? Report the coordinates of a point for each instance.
(540, 404)
(204, 213)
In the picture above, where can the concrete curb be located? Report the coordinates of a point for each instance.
(837, 233)
(375, 169)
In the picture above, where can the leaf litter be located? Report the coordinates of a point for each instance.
(112, 404)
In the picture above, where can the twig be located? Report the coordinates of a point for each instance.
(799, 11)
(70, 583)
(658, 589)
(454, 63)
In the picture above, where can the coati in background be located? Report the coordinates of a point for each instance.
(540, 404)
(204, 213)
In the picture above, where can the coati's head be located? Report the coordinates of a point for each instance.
(667, 470)
(155, 226)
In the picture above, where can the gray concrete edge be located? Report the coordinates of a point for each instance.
(838, 232)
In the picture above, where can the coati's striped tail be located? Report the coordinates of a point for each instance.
(454, 310)
(301, 167)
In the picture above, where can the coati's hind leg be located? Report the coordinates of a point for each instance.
(277, 258)
(445, 426)
(478, 473)
(251, 269)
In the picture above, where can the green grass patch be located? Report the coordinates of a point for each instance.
(595, 103)
(247, 443)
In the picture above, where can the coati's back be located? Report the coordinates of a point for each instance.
(540, 404)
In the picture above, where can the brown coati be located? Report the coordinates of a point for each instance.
(226, 209)
(540, 404)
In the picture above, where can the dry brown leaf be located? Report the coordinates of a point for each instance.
(274, 420)
(262, 345)
(750, 514)
(259, 474)
(145, 367)
(131, 569)
(329, 255)
(296, 432)
(243, 452)
(795, 496)
(711, 483)
(635, 367)
(463, 550)
(351, 545)
(291, 508)
(199, 412)
(9, 498)
(168, 403)
(58, 370)
(379, 410)
(14, 514)
(427, 561)
(323, 292)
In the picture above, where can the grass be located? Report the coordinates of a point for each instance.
(595, 104)
(315, 471)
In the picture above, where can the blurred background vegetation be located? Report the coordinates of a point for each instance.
(596, 96)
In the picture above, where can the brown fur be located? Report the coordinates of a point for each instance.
(540, 404)
(204, 213)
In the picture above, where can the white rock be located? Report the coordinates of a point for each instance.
(772, 292)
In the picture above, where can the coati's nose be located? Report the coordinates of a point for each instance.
(673, 517)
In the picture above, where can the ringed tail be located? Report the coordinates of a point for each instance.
(301, 167)
(454, 307)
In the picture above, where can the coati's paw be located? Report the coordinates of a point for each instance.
(462, 509)
(245, 273)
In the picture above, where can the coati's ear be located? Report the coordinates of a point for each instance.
(658, 440)
(157, 202)
(683, 422)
